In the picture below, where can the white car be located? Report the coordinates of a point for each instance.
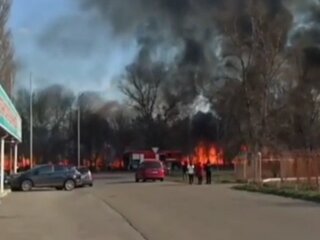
(86, 176)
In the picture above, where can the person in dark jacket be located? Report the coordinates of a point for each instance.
(208, 170)
(199, 173)
(184, 170)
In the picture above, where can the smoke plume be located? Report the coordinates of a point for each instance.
(185, 34)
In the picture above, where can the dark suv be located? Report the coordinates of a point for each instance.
(56, 176)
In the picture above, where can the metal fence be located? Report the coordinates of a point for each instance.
(295, 166)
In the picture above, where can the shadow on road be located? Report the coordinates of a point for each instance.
(121, 182)
(111, 175)
(298, 204)
(157, 183)
(4, 217)
(36, 190)
(106, 177)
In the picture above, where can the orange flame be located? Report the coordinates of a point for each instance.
(117, 165)
(207, 152)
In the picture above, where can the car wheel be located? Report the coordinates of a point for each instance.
(91, 185)
(137, 179)
(161, 179)
(144, 180)
(69, 185)
(26, 185)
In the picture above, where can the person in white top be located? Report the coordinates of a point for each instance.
(190, 171)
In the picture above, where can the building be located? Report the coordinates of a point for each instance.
(10, 133)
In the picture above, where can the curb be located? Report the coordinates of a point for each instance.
(5, 193)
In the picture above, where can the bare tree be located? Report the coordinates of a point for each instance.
(7, 65)
(303, 106)
(141, 86)
(52, 113)
(254, 63)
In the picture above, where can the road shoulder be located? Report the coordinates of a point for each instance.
(76, 215)
(5, 193)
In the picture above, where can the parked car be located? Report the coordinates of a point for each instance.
(86, 176)
(56, 176)
(150, 170)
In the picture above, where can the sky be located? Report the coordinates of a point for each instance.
(88, 59)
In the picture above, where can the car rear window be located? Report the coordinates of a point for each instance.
(152, 164)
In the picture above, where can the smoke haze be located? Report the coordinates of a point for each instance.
(186, 34)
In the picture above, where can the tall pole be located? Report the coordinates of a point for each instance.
(2, 165)
(78, 145)
(31, 121)
(11, 156)
(15, 167)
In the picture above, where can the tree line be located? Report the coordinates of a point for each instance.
(105, 126)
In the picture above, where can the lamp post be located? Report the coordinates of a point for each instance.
(78, 135)
(15, 168)
(2, 164)
(11, 155)
(31, 121)
(78, 132)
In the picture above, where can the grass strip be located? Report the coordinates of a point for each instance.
(313, 196)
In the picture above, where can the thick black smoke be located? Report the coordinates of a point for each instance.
(188, 25)
(205, 128)
(183, 32)
(306, 34)
(192, 27)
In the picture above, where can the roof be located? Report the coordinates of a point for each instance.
(10, 120)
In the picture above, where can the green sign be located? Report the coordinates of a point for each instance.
(10, 119)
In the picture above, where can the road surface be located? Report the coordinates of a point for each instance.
(117, 208)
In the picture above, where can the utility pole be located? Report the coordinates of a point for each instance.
(2, 164)
(11, 156)
(31, 122)
(78, 135)
(15, 158)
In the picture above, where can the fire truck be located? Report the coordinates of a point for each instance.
(172, 159)
(132, 159)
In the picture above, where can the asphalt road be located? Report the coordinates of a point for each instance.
(117, 208)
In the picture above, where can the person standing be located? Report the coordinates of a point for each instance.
(199, 172)
(208, 170)
(184, 171)
(190, 170)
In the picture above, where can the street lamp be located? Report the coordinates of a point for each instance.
(79, 131)
(78, 135)
(2, 163)
(31, 121)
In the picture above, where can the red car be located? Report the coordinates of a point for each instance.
(150, 170)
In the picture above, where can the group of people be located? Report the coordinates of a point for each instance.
(199, 170)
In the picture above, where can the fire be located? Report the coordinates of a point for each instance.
(117, 165)
(208, 152)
